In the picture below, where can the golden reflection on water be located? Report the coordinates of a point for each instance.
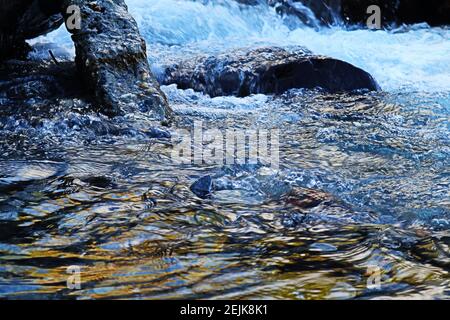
(124, 213)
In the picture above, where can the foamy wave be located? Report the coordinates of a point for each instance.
(417, 59)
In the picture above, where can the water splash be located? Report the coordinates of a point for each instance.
(415, 58)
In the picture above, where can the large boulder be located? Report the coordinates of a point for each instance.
(268, 70)
(111, 56)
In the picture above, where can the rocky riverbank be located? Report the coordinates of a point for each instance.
(111, 58)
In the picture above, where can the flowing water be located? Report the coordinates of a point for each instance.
(359, 206)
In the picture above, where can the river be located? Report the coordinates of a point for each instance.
(80, 190)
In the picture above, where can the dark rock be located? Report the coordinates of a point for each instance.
(158, 133)
(355, 12)
(36, 89)
(203, 187)
(25, 19)
(28, 19)
(111, 56)
(310, 12)
(22, 80)
(41, 17)
(12, 47)
(303, 198)
(433, 12)
(249, 2)
(393, 12)
(268, 70)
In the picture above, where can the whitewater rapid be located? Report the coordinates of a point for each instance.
(412, 59)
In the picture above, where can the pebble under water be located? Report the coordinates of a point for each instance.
(362, 185)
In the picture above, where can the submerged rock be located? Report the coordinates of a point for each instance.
(203, 187)
(304, 198)
(294, 203)
(268, 70)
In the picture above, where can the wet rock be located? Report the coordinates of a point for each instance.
(111, 56)
(249, 2)
(41, 17)
(310, 12)
(203, 187)
(27, 88)
(303, 198)
(306, 206)
(158, 133)
(267, 70)
(110, 53)
(313, 13)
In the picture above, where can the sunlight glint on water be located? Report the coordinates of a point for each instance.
(96, 192)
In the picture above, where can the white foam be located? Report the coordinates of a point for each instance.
(414, 60)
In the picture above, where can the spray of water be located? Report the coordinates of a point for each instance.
(416, 58)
